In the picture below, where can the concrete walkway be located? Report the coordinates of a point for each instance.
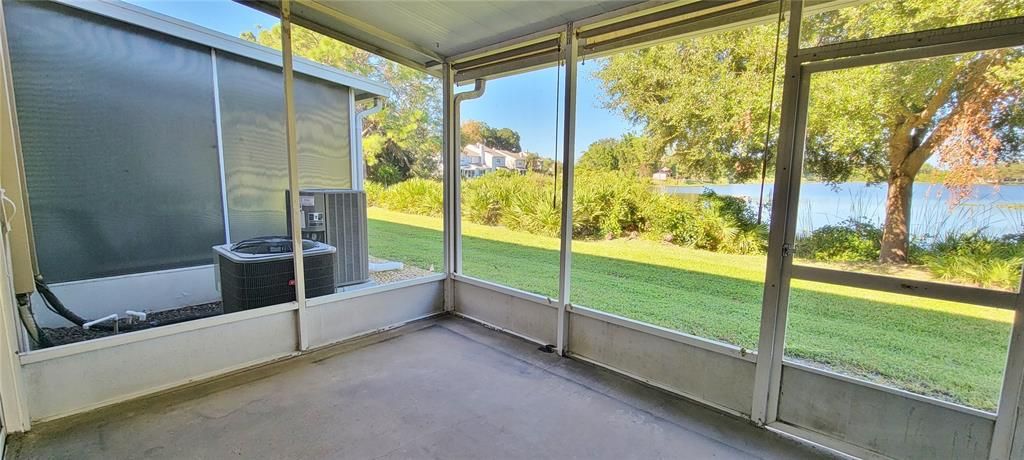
(438, 389)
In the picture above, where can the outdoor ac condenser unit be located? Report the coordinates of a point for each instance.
(338, 218)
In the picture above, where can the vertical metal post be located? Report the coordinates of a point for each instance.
(355, 140)
(13, 401)
(571, 53)
(293, 172)
(220, 147)
(770, 348)
(1012, 394)
(449, 166)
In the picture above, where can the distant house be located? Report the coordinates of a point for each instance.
(662, 174)
(493, 159)
(478, 159)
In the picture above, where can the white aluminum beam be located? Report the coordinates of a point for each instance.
(515, 53)
(743, 15)
(220, 146)
(512, 67)
(800, 65)
(919, 288)
(449, 163)
(775, 300)
(568, 162)
(13, 398)
(293, 174)
(1010, 397)
(957, 35)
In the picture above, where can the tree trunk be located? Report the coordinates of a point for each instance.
(896, 230)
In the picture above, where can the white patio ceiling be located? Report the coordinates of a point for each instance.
(477, 36)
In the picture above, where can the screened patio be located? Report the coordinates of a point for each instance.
(450, 363)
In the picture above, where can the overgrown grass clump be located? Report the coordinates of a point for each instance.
(978, 259)
(853, 240)
(606, 205)
(413, 196)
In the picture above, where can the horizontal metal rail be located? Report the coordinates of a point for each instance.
(501, 69)
(668, 334)
(736, 17)
(1013, 27)
(514, 53)
(663, 15)
(929, 289)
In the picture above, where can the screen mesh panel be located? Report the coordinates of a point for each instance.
(119, 143)
(255, 157)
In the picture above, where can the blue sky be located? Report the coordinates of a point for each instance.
(525, 103)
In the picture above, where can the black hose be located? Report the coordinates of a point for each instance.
(28, 320)
(56, 306)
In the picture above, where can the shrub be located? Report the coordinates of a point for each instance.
(606, 204)
(708, 221)
(853, 240)
(978, 259)
(485, 199)
(414, 196)
(374, 194)
(609, 204)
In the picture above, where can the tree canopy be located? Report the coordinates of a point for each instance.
(478, 132)
(706, 101)
(634, 155)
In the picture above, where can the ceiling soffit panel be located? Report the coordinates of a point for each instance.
(486, 39)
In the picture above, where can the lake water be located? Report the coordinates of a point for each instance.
(993, 210)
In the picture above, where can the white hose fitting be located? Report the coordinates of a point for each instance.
(139, 315)
(94, 322)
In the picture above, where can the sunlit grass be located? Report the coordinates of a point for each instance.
(943, 349)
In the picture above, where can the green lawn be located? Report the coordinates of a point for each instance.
(943, 349)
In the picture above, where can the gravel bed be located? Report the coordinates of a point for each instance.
(394, 276)
(72, 334)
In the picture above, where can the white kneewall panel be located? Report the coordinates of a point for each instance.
(709, 377)
(536, 320)
(68, 383)
(348, 317)
(881, 421)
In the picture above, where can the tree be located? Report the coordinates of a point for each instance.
(478, 132)
(602, 155)
(706, 100)
(632, 154)
(403, 139)
(506, 139)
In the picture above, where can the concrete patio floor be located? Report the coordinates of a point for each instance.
(446, 388)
